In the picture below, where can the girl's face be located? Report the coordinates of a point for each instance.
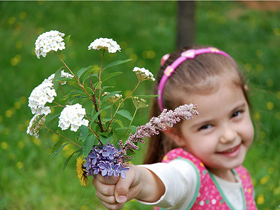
(222, 133)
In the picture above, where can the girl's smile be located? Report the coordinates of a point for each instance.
(222, 132)
(233, 152)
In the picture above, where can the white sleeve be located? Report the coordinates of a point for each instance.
(180, 180)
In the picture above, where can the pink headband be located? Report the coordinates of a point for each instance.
(189, 54)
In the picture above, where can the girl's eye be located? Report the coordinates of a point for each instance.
(235, 114)
(204, 127)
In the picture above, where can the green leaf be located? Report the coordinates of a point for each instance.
(117, 63)
(89, 90)
(125, 114)
(111, 75)
(55, 79)
(58, 150)
(119, 122)
(67, 39)
(57, 145)
(106, 87)
(89, 142)
(97, 85)
(83, 133)
(87, 75)
(52, 117)
(120, 132)
(75, 93)
(132, 128)
(68, 159)
(97, 113)
(106, 139)
(81, 97)
(66, 79)
(86, 69)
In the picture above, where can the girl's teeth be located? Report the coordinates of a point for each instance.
(230, 150)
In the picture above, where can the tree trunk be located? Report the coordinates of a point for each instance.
(185, 24)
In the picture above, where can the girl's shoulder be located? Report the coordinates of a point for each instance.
(174, 154)
(180, 153)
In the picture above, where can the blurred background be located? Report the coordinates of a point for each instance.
(248, 31)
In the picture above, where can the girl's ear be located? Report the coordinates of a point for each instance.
(246, 87)
(174, 134)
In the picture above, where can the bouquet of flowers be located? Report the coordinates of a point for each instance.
(104, 144)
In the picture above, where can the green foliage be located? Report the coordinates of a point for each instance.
(89, 142)
(145, 31)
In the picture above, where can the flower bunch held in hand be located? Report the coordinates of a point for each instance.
(88, 116)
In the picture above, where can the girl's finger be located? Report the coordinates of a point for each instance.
(124, 186)
(112, 206)
(106, 199)
(104, 189)
(110, 180)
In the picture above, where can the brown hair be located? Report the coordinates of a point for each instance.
(192, 76)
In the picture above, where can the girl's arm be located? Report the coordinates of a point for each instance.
(140, 183)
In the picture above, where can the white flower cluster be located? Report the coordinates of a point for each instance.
(33, 130)
(51, 40)
(105, 44)
(143, 74)
(44, 93)
(72, 115)
(38, 98)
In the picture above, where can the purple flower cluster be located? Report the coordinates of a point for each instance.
(157, 124)
(106, 160)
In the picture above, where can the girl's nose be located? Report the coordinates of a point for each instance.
(228, 134)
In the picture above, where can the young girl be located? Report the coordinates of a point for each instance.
(196, 164)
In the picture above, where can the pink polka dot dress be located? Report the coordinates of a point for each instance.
(208, 195)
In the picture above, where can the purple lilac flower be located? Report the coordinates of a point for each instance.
(110, 151)
(157, 124)
(120, 170)
(106, 160)
(106, 168)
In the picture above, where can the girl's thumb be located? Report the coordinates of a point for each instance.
(122, 189)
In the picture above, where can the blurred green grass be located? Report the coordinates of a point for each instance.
(145, 31)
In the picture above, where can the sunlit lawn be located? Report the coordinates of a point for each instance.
(145, 31)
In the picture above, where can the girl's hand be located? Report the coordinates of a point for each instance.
(113, 192)
(140, 183)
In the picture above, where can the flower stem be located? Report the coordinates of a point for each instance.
(95, 104)
(122, 103)
(63, 93)
(97, 136)
(99, 77)
(96, 109)
(63, 137)
(59, 105)
(130, 122)
(79, 83)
